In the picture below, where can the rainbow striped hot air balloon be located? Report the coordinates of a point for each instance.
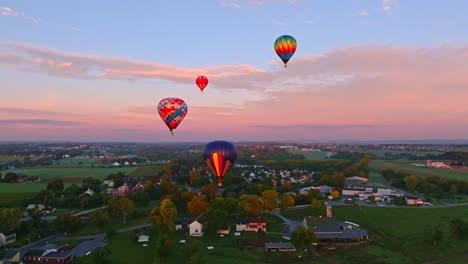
(219, 156)
(285, 46)
(172, 111)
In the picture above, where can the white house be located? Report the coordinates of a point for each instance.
(88, 192)
(41, 207)
(252, 224)
(143, 237)
(196, 229)
(224, 230)
(7, 237)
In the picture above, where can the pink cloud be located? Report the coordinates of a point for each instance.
(361, 92)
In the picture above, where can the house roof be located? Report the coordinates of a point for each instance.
(7, 232)
(345, 234)
(279, 245)
(34, 253)
(59, 254)
(50, 246)
(8, 254)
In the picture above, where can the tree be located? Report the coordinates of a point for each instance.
(318, 207)
(165, 215)
(457, 227)
(371, 199)
(453, 188)
(9, 217)
(303, 237)
(335, 194)
(411, 182)
(55, 186)
(399, 200)
(216, 218)
(269, 199)
(102, 255)
(210, 191)
(251, 204)
(121, 206)
(100, 218)
(68, 222)
(437, 237)
(286, 202)
(197, 205)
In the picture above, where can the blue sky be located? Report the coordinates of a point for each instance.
(204, 33)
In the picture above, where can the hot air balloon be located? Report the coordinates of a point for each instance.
(172, 111)
(219, 156)
(202, 82)
(285, 46)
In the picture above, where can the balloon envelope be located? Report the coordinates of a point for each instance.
(219, 156)
(172, 111)
(285, 46)
(201, 82)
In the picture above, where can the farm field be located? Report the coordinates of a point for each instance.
(310, 155)
(402, 235)
(147, 171)
(80, 162)
(405, 166)
(73, 174)
(381, 152)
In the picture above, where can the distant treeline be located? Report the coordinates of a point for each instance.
(433, 186)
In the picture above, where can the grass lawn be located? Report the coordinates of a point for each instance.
(405, 166)
(64, 173)
(402, 235)
(116, 223)
(375, 176)
(147, 171)
(311, 155)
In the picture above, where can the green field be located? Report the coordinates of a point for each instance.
(310, 155)
(80, 162)
(13, 199)
(402, 235)
(7, 158)
(21, 187)
(405, 166)
(147, 171)
(64, 173)
(381, 152)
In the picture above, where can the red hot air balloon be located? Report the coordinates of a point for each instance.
(201, 82)
(172, 111)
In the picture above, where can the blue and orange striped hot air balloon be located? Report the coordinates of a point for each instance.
(172, 111)
(219, 156)
(285, 46)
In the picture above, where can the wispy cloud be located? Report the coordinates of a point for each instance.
(293, 2)
(387, 5)
(242, 3)
(75, 28)
(8, 11)
(279, 23)
(362, 13)
(361, 22)
(317, 126)
(49, 122)
(14, 111)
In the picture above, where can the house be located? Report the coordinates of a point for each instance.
(281, 246)
(9, 256)
(41, 207)
(143, 237)
(413, 200)
(353, 191)
(328, 230)
(88, 192)
(439, 165)
(196, 228)
(7, 237)
(224, 230)
(178, 225)
(356, 180)
(108, 183)
(116, 164)
(252, 224)
(49, 253)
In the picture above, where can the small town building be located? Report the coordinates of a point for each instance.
(281, 246)
(196, 228)
(224, 230)
(143, 237)
(329, 230)
(9, 256)
(356, 180)
(49, 253)
(7, 237)
(252, 224)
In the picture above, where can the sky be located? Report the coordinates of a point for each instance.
(363, 70)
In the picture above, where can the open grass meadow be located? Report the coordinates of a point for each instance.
(226, 251)
(401, 235)
(405, 166)
(73, 174)
(310, 155)
(148, 171)
(77, 161)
